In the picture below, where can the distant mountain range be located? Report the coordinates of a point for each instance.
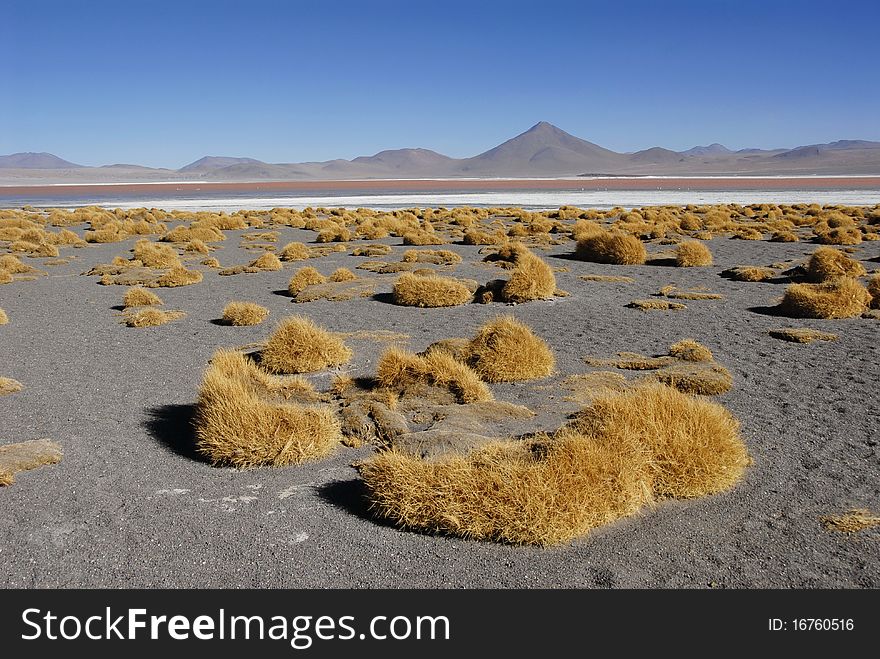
(542, 151)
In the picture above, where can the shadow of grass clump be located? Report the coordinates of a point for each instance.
(174, 427)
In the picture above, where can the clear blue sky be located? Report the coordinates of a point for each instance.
(163, 83)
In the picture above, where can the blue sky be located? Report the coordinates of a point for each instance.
(163, 83)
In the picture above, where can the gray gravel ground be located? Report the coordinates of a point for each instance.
(131, 505)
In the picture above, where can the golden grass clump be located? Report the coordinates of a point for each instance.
(854, 521)
(694, 444)
(12, 264)
(151, 317)
(266, 261)
(699, 378)
(749, 273)
(294, 252)
(505, 350)
(197, 246)
(342, 274)
(690, 351)
(25, 456)
(243, 420)
(9, 386)
(410, 374)
(4, 319)
(827, 263)
(843, 297)
(784, 237)
(414, 290)
(531, 279)
(692, 253)
(298, 345)
(435, 256)
(240, 314)
(656, 305)
(802, 335)
(211, 262)
(874, 291)
(155, 255)
(178, 276)
(608, 278)
(303, 277)
(621, 453)
(139, 296)
(840, 236)
(611, 247)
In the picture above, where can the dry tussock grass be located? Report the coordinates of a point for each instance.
(611, 247)
(749, 273)
(692, 254)
(211, 262)
(140, 297)
(690, 350)
(176, 276)
(303, 277)
(336, 291)
(414, 290)
(874, 291)
(434, 256)
(656, 305)
(531, 279)
(4, 319)
(802, 335)
(843, 297)
(619, 455)
(505, 350)
(827, 263)
(854, 521)
(25, 456)
(155, 255)
(295, 251)
(9, 386)
(413, 375)
(298, 345)
(151, 317)
(608, 278)
(372, 250)
(342, 274)
(266, 261)
(244, 419)
(241, 314)
(699, 378)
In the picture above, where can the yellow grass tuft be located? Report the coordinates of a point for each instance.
(692, 253)
(802, 335)
(240, 314)
(621, 453)
(874, 291)
(608, 278)
(266, 261)
(9, 386)
(839, 298)
(298, 345)
(505, 350)
(155, 255)
(139, 296)
(342, 274)
(211, 262)
(414, 290)
(854, 521)
(656, 305)
(749, 273)
(303, 277)
(294, 252)
(699, 378)
(25, 456)
(690, 351)
(410, 374)
(4, 319)
(243, 420)
(611, 247)
(151, 317)
(177, 276)
(531, 279)
(827, 263)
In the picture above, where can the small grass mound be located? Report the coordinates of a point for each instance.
(827, 263)
(303, 277)
(414, 290)
(9, 386)
(295, 252)
(411, 375)
(4, 319)
(151, 317)
(298, 345)
(749, 273)
(244, 417)
(139, 296)
(692, 254)
(690, 351)
(342, 274)
(608, 278)
(240, 314)
(266, 261)
(505, 350)
(839, 298)
(656, 305)
(613, 248)
(802, 335)
(851, 522)
(177, 276)
(874, 291)
(618, 455)
(25, 456)
(531, 279)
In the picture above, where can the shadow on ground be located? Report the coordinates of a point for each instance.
(172, 426)
(351, 496)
